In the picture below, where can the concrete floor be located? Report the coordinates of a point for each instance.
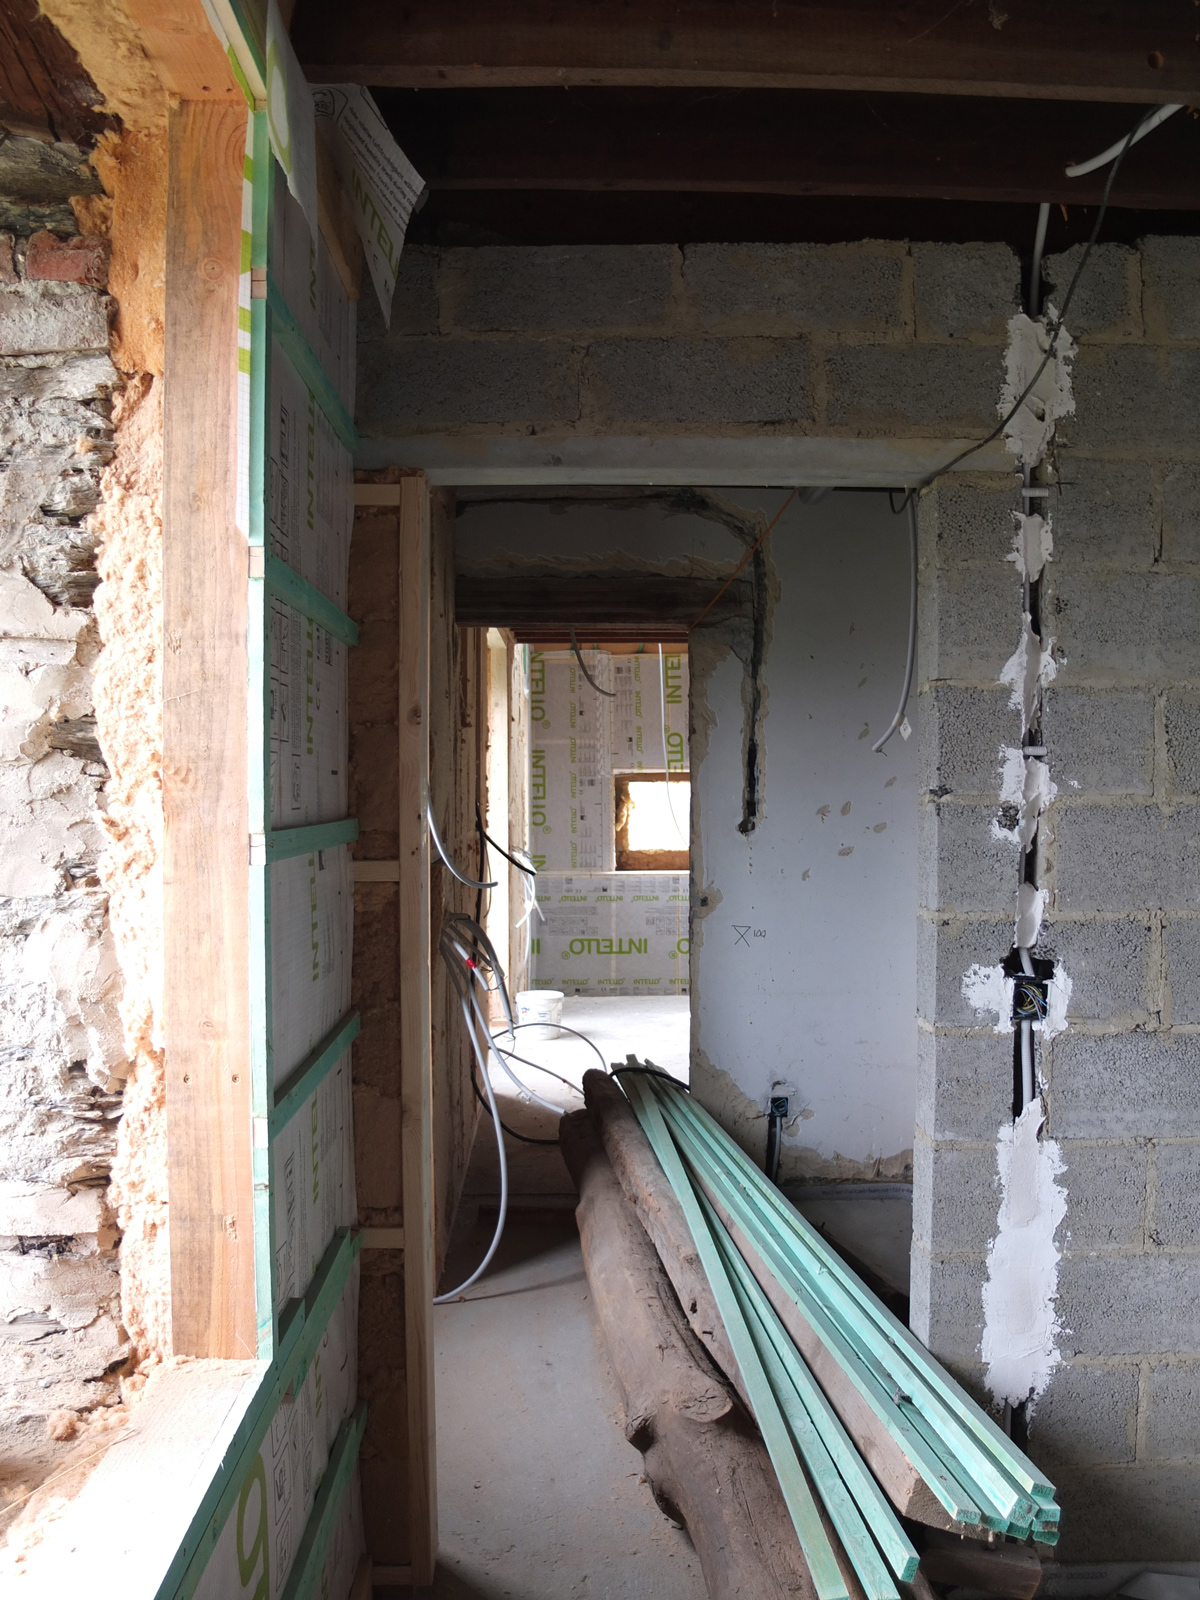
(540, 1497)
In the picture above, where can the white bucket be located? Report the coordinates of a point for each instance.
(542, 1009)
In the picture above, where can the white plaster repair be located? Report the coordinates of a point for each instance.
(1025, 782)
(1030, 431)
(1033, 545)
(1020, 1322)
(1031, 904)
(990, 989)
(1058, 998)
(1027, 672)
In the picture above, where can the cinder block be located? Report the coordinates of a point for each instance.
(1126, 1086)
(1126, 858)
(556, 288)
(698, 380)
(44, 319)
(1172, 1407)
(1108, 964)
(795, 288)
(415, 307)
(956, 1199)
(1106, 1197)
(1171, 293)
(946, 949)
(1087, 1415)
(1175, 1220)
(1137, 397)
(49, 259)
(1099, 741)
(964, 1084)
(427, 385)
(1102, 514)
(965, 291)
(1130, 1305)
(1181, 946)
(962, 865)
(1126, 627)
(1135, 1513)
(962, 733)
(1183, 742)
(970, 623)
(946, 1299)
(1181, 514)
(1105, 302)
(974, 521)
(916, 389)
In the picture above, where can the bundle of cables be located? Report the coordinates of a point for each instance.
(477, 976)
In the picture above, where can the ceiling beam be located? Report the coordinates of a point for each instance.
(643, 605)
(1138, 51)
(786, 143)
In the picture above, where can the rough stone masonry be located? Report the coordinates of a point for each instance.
(62, 1056)
(887, 340)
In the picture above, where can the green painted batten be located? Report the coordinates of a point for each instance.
(300, 353)
(284, 582)
(312, 1071)
(314, 1542)
(284, 843)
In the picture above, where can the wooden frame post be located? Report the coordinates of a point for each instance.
(416, 1084)
(206, 1019)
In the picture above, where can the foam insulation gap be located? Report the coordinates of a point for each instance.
(1020, 1320)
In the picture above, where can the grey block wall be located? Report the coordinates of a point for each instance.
(1118, 1427)
(868, 339)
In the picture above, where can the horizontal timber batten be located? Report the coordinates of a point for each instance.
(287, 584)
(281, 844)
(317, 1066)
(286, 329)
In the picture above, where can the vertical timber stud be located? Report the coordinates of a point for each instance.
(205, 878)
(416, 1084)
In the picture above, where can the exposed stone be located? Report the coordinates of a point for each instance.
(49, 259)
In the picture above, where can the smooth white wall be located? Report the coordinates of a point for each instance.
(821, 996)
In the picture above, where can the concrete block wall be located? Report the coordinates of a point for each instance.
(871, 339)
(1119, 848)
(62, 1055)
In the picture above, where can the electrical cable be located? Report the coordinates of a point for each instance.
(487, 839)
(471, 883)
(662, 701)
(911, 657)
(562, 1028)
(744, 562)
(1035, 266)
(1148, 124)
(524, 1138)
(609, 694)
(1059, 325)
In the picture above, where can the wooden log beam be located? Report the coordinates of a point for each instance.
(1138, 51)
(704, 1461)
(786, 143)
(640, 605)
(1003, 1568)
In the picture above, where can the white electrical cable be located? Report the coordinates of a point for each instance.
(1114, 150)
(662, 701)
(453, 1294)
(471, 883)
(912, 630)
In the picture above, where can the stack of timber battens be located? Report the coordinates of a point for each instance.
(785, 1288)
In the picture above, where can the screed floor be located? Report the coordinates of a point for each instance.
(540, 1497)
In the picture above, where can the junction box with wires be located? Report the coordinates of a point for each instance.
(1030, 990)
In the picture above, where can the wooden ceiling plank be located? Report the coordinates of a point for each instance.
(1138, 51)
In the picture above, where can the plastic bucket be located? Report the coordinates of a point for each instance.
(542, 1010)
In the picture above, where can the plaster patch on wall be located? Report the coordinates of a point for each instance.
(990, 989)
(1058, 998)
(1031, 904)
(1020, 1321)
(1030, 431)
(1033, 545)
(1025, 783)
(1027, 672)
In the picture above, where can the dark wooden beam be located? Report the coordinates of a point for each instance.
(44, 88)
(787, 143)
(1138, 51)
(623, 607)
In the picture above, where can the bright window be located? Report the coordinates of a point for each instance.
(653, 818)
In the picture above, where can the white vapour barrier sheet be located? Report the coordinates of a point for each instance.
(314, 1182)
(621, 933)
(258, 1542)
(571, 790)
(309, 767)
(643, 694)
(304, 271)
(311, 498)
(312, 910)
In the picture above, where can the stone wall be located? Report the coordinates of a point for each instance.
(62, 1053)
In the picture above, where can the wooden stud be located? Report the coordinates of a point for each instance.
(206, 1017)
(185, 50)
(416, 1085)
